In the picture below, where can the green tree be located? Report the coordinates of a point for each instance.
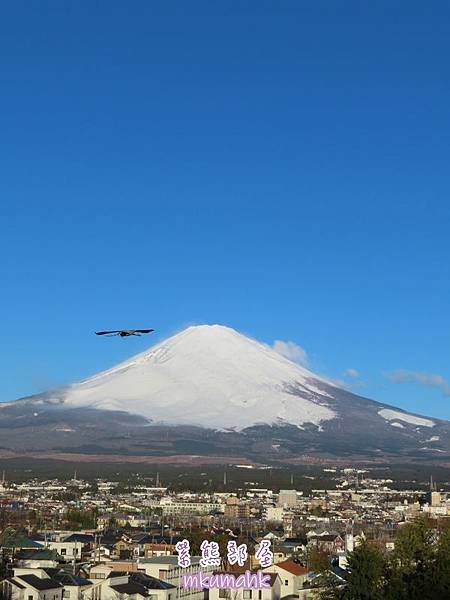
(418, 568)
(366, 570)
(81, 519)
(331, 587)
(317, 560)
(439, 573)
(411, 563)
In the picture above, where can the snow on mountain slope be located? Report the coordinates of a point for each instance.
(390, 415)
(211, 376)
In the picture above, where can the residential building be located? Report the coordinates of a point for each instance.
(292, 576)
(31, 587)
(136, 586)
(36, 559)
(235, 509)
(167, 569)
(287, 498)
(271, 593)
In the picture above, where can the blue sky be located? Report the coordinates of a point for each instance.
(279, 167)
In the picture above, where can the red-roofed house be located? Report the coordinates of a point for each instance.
(292, 576)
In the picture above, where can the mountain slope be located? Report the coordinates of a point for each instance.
(210, 390)
(210, 376)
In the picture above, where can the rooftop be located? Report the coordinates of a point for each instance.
(291, 567)
(39, 584)
(68, 579)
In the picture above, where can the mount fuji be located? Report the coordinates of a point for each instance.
(210, 390)
(210, 376)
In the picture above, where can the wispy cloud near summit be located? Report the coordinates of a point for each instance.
(292, 351)
(351, 372)
(428, 379)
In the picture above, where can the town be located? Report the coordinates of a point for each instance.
(106, 539)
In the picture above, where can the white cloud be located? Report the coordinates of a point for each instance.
(351, 372)
(429, 379)
(292, 351)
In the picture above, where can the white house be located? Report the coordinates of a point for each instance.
(36, 559)
(31, 587)
(270, 593)
(133, 586)
(67, 550)
(292, 575)
(74, 587)
(167, 569)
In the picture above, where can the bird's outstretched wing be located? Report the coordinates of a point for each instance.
(144, 330)
(107, 332)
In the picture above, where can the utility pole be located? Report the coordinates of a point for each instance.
(97, 548)
(75, 559)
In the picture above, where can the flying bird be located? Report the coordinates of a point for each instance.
(124, 332)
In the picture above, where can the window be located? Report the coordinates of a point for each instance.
(63, 551)
(224, 594)
(66, 594)
(259, 594)
(30, 597)
(286, 582)
(247, 594)
(162, 573)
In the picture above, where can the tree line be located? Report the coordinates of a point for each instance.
(417, 569)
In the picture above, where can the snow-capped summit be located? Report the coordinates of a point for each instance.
(212, 376)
